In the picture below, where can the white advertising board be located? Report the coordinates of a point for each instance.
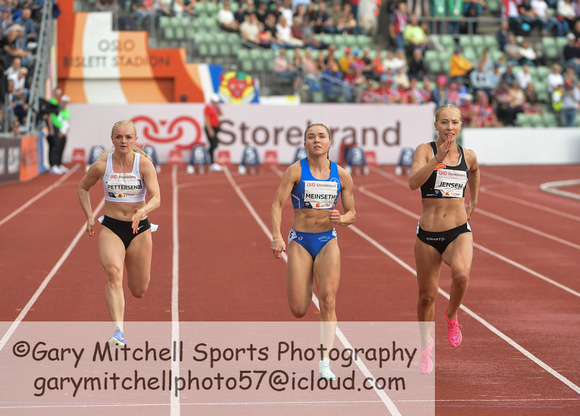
(386, 130)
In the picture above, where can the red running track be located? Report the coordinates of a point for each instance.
(521, 315)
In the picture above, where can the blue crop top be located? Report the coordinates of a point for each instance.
(314, 193)
(446, 181)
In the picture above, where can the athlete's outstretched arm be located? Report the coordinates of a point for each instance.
(473, 181)
(289, 179)
(347, 199)
(95, 172)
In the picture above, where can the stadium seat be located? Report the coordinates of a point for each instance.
(523, 120)
(550, 119)
(536, 120)
(447, 41)
(543, 72)
(465, 41)
(550, 48)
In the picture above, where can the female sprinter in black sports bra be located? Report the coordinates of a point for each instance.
(442, 169)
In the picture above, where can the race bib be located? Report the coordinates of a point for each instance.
(450, 183)
(123, 185)
(319, 194)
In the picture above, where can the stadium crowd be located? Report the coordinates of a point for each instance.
(492, 90)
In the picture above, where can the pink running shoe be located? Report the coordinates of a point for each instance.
(425, 362)
(453, 331)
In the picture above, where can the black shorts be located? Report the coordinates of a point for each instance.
(441, 239)
(124, 229)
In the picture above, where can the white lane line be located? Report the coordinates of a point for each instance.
(552, 187)
(382, 395)
(39, 195)
(478, 246)
(486, 324)
(175, 402)
(46, 281)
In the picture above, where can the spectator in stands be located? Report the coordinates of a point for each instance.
(322, 21)
(472, 9)
(311, 72)
(508, 76)
(269, 33)
(567, 12)
(415, 37)
(262, 12)
(400, 61)
(453, 94)
(379, 69)
(455, 17)
(285, 70)
(53, 137)
(308, 36)
(459, 67)
(29, 25)
(250, 30)
(20, 89)
(354, 81)
(330, 54)
(510, 11)
(321, 62)
(481, 80)
(416, 66)
(397, 26)
(506, 111)
(571, 53)
(369, 94)
(10, 46)
(331, 82)
(518, 98)
(401, 78)
(526, 83)
(368, 65)
(105, 5)
(244, 9)
(346, 61)
(351, 25)
(468, 113)
(570, 74)
(185, 7)
(386, 92)
(527, 16)
(502, 34)
(529, 55)
(484, 113)
(415, 93)
(545, 18)
(284, 33)
(164, 8)
(226, 18)
(440, 93)
(6, 21)
(335, 14)
(286, 11)
(427, 90)
(14, 67)
(565, 104)
(487, 62)
(143, 13)
(389, 61)
(555, 78)
(512, 50)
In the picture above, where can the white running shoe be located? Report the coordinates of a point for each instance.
(242, 170)
(215, 167)
(55, 170)
(190, 169)
(63, 169)
(325, 373)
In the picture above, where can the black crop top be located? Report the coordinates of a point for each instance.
(446, 181)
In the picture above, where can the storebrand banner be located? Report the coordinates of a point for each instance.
(382, 129)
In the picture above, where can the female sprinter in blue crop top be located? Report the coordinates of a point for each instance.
(125, 238)
(442, 169)
(313, 255)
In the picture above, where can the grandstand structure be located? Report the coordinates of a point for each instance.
(205, 42)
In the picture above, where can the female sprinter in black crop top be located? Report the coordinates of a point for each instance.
(443, 234)
(125, 238)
